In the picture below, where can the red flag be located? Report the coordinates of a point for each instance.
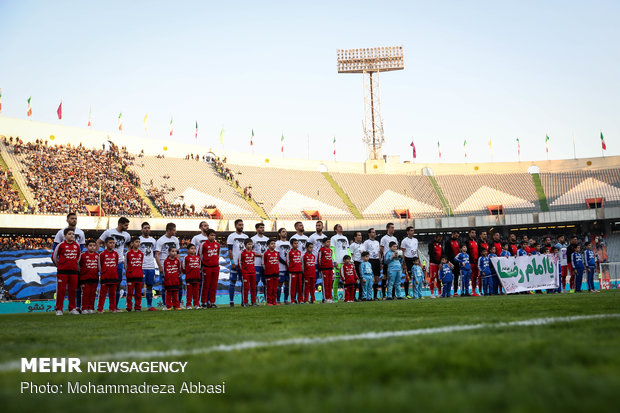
(59, 110)
(413, 147)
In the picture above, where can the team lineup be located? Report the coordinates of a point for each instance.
(287, 268)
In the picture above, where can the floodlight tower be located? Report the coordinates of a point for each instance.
(370, 62)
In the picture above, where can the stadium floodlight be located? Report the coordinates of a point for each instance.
(370, 62)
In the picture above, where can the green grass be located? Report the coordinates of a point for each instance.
(566, 366)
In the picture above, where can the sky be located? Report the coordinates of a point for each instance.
(474, 71)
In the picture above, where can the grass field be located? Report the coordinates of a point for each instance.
(561, 366)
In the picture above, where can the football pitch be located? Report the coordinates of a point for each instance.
(534, 353)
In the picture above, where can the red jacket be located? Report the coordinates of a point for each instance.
(270, 261)
(134, 266)
(435, 250)
(108, 262)
(172, 272)
(472, 251)
(191, 265)
(246, 262)
(309, 265)
(66, 256)
(210, 254)
(348, 273)
(483, 246)
(294, 260)
(326, 261)
(89, 268)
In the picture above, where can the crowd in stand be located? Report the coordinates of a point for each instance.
(158, 196)
(10, 201)
(66, 177)
(18, 242)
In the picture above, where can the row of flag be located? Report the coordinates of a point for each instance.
(412, 144)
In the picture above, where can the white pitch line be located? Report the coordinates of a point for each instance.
(372, 335)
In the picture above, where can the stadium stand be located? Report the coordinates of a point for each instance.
(474, 194)
(286, 193)
(181, 187)
(380, 196)
(10, 202)
(74, 178)
(570, 190)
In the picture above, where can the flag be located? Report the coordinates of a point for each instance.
(334, 142)
(519, 147)
(0, 100)
(603, 145)
(59, 111)
(547, 143)
(222, 136)
(146, 122)
(120, 121)
(491, 143)
(196, 134)
(439, 149)
(171, 129)
(90, 117)
(465, 147)
(252, 138)
(29, 113)
(413, 148)
(282, 143)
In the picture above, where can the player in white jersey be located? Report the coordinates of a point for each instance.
(235, 246)
(162, 248)
(371, 245)
(356, 255)
(80, 239)
(340, 248)
(283, 247)
(121, 239)
(197, 241)
(300, 237)
(384, 248)
(409, 246)
(260, 242)
(317, 238)
(147, 246)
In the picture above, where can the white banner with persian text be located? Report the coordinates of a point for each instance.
(527, 273)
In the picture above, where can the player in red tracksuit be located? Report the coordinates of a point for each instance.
(451, 250)
(210, 261)
(191, 268)
(435, 251)
(108, 269)
(133, 270)
(350, 279)
(326, 268)
(309, 261)
(272, 271)
(66, 256)
(296, 286)
(247, 259)
(89, 276)
(474, 254)
(172, 279)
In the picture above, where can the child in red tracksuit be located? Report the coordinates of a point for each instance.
(309, 261)
(108, 263)
(191, 268)
(133, 270)
(248, 272)
(66, 257)
(350, 279)
(89, 276)
(172, 279)
(272, 271)
(296, 286)
(210, 260)
(326, 268)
